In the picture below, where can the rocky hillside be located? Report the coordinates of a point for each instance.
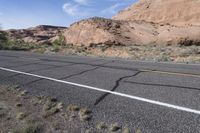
(100, 31)
(158, 22)
(176, 12)
(39, 34)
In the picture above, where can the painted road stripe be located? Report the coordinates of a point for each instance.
(107, 91)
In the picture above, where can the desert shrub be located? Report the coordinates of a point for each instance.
(18, 45)
(55, 48)
(189, 42)
(3, 36)
(97, 19)
(163, 58)
(31, 128)
(13, 44)
(60, 41)
(189, 50)
(3, 39)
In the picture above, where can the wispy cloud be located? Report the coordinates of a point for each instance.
(81, 2)
(89, 8)
(74, 10)
(77, 8)
(113, 9)
(1, 13)
(70, 9)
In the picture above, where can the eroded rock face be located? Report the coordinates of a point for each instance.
(174, 12)
(39, 34)
(146, 22)
(99, 31)
(89, 31)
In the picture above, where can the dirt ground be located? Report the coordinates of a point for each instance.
(22, 113)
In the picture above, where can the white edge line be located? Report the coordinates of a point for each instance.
(111, 92)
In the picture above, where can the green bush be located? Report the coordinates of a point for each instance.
(3, 39)
(16, 44)
(60, 41)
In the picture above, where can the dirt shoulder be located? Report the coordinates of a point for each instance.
(22, 113)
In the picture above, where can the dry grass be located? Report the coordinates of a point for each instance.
(155, 53)
(126, 130)
(51, 107)
(23, 93)
(138, 131)
(45, 111)
(85, 114)
(30, 128)
(114, 127)
(45, 114)
(73, 108)
(101, 126)
(21, 115)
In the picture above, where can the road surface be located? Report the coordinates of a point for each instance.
(152, 97)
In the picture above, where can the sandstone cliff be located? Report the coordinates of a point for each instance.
(158, 22)
(174, 12)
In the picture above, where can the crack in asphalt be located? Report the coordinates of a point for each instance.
(113, 67)
(79, 73)
(31, 82)
(41, 70)
(83, 72)
(34, 81)
(95, 65)
(24, 65)
(160, 85)
(117, 84)
(52, 67)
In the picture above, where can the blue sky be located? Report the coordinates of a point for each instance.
(29, 13)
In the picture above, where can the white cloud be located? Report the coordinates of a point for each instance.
(112, 9)
(74, 10)
(1, 13)
(70, 9)
(82, 2)
(86, 8)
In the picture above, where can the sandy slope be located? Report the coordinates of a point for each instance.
(176, 12)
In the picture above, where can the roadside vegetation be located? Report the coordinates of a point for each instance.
(7, 44)
(16, 44)
(174, 53)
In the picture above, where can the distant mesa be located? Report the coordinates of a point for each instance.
(38, 34)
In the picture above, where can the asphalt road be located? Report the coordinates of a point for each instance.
(152, 97)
